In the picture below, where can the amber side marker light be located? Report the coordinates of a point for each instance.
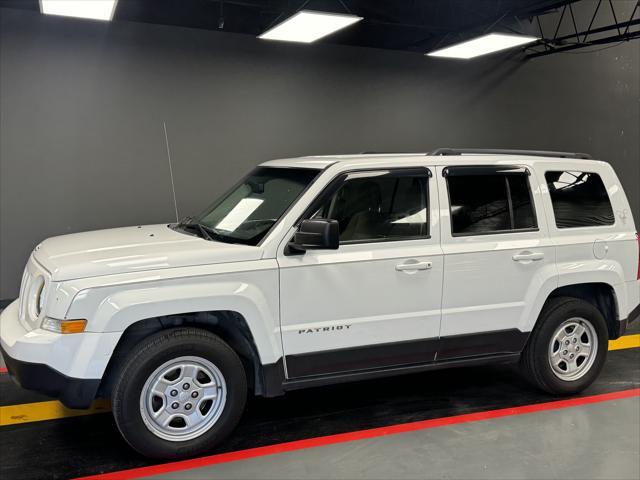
(64, 326)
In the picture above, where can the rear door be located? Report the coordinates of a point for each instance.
(497, 258)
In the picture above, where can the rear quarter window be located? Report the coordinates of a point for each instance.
(579, 199)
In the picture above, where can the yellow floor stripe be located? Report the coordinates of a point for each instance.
(627, 341)
(37, 412)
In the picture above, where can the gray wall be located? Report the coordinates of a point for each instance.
(82, 106)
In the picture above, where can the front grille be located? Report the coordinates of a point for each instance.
(35, 283)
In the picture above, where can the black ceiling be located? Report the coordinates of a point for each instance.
(414, 25)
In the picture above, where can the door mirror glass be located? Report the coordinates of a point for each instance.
(315, 234)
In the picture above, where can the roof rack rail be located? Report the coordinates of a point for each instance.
(378, 152)
(493, 151)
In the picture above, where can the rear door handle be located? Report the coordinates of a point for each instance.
(407, 267)
(528, 256)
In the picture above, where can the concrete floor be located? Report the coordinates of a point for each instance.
(600, 441)
(596, 441)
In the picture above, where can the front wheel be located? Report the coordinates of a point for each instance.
(181, 392)
(568, 347)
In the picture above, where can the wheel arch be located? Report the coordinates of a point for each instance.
(599, 294)
(231, 326)
(242, 310)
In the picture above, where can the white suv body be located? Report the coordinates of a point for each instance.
(459, 281)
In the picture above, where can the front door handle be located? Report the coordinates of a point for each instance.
(528, 256)
(408, 267)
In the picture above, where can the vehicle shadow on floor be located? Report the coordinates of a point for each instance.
(88, 445)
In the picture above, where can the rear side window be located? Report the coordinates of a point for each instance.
(485, 200)
(579, 199)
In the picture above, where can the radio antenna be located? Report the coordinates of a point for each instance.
(173, 187)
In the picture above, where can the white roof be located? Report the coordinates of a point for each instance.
(404, 159)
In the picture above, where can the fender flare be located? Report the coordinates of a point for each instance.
(122, 308)
(603, 277)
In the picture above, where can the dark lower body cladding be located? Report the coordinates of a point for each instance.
(623, 324)
(322, 368)
(424, 351)
(72, 392)
(634, 315)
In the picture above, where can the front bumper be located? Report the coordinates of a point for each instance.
(72, 392)
(68, 367)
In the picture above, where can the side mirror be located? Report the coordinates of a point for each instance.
(315, 234)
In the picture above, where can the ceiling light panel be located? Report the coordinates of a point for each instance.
(308, 26)
(493, 42)
(94, 9)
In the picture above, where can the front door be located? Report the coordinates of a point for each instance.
(374, 302)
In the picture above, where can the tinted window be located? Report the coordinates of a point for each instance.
(579, 199)
(379, 207)
(486, 203)
(248, 212)
(523, 216)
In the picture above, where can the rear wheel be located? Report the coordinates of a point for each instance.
(181, 392)
(568, 347)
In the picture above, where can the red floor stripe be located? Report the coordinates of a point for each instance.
(3, 370)
(359, 435)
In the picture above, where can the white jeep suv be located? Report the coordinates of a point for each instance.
(319, 270)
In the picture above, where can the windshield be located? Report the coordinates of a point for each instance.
(249, 210)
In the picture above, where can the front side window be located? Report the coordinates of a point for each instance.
(489, 201)
(579, 199)
(379, 206)
(248, 212)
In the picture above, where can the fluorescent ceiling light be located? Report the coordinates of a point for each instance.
(493, 42)
(307, 26)
(95, 9)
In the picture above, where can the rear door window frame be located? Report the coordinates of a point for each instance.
(482, 170)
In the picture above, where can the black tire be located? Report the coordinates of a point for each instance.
(535, 358)
(153, 352)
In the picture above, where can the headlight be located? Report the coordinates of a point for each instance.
(63, 326)
(36, 297)
(40, 299)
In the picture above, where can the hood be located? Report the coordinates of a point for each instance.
(133, 249)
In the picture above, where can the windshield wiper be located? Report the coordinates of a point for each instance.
(200, 230)
(204, 231)
(214, 235)
(185, 221)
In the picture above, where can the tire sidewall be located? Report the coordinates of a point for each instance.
(553, 319)
(126, 397)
